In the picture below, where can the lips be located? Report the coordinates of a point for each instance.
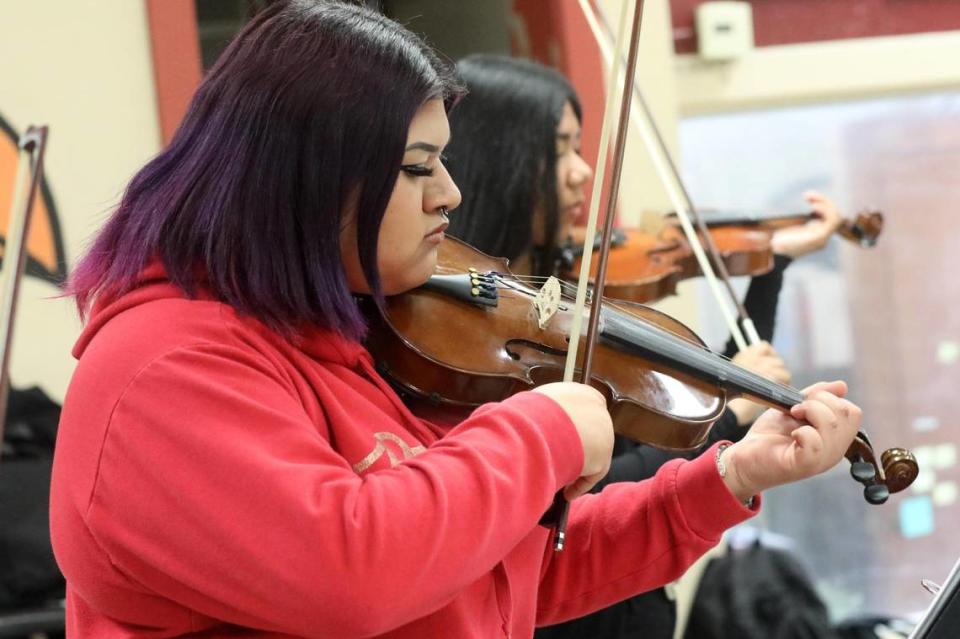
(574, 210)
(440, 229)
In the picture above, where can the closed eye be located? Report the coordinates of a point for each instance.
(420, 170)
(417, 170)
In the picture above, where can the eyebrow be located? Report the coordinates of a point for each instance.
(423, 146)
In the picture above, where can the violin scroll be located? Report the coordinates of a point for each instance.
(897, 469)
(864, 229)
(900, 467)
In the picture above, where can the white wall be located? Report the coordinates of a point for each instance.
(83, 67)
(820, 72)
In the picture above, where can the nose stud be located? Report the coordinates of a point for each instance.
(445, 213)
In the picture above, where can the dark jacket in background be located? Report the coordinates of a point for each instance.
(653, 615)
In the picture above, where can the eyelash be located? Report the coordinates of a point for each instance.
(419, 170)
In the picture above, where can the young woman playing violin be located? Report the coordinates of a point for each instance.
(229, 461)
(523, 209)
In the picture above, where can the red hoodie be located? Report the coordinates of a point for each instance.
(213, 479)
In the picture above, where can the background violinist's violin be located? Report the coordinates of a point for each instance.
(645, 267)
(863, 229)
(642, 267)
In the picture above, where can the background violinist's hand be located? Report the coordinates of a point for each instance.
(578, 235)
(781, 448)
(587, 409)
(763, 359)
(795, 241)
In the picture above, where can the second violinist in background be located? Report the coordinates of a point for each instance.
(524, 209)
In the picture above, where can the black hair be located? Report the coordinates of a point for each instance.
(502, 154)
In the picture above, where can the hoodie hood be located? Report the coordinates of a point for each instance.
(154, 285)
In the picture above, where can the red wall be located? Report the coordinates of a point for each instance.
(175, 48)
(793, 21)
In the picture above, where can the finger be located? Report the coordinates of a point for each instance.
(808, 440)
(848, 414)
(776, 359)
(773, 372)
(775, 363)
(780, 374)
(576, 489)
(837, 418)
(808, 449)
(581, 486)
(838, 388)
(592, 394)
(815, 413)
(756, 350)
(836, 430)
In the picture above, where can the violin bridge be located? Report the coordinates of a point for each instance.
(547, 301)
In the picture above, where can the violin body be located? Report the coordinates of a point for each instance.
(641, 268)
(471, 354)
(744, 251)
(646, 267)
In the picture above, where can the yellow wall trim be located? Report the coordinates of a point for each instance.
(819, 72)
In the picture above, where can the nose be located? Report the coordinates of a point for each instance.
(579, 172)
(443, 193)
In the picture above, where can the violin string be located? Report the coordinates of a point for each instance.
(697, 351)
(705, 355)
(566, 290)
(708, 361)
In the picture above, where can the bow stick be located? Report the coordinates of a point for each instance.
(679, 197)
(583, 282)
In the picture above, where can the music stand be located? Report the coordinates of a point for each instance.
(942, 618)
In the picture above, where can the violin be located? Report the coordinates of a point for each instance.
(645, 267)
(863, 229)
(642, 266)
(501, 334)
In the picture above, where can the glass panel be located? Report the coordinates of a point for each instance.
(885, 319)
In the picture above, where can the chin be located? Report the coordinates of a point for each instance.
(400, 280)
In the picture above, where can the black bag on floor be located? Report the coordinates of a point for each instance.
(757, 593)
(28, 572)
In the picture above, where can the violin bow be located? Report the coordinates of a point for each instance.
(561, 507)
(679, 196)
(584, 278)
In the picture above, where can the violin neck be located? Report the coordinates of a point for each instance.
(860, 231)
(748, 218)
(632, 335)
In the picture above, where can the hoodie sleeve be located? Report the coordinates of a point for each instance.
(215, 490)
(636, 462)
(616, 549)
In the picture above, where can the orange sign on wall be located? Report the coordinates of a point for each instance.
(46, 258)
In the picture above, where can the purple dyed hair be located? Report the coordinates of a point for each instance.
(301, 121)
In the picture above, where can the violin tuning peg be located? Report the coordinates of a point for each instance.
(862, 471)
(876, 494)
